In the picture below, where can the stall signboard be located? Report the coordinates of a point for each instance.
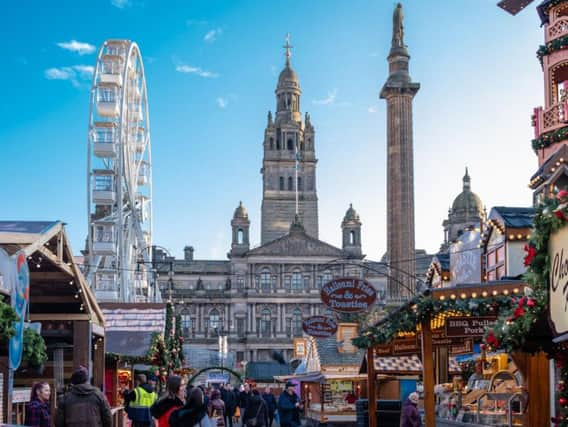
(348, 295)
(465, 347)
(558, 281)
(468, 326)
(398, 347)
(320, 326)
(341, 386)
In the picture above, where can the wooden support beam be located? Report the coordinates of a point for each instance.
(36, 317)
(54, 276)
(428, 373)
(50, 299)
(99, 363)
(82, 344)
(53, 259)
(371, 387)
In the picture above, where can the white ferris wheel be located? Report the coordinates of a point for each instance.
(119, 184)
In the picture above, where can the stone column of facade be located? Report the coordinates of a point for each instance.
(399, 92)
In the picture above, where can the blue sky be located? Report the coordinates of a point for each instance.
(477, 66)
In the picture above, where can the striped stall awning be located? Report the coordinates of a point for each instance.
(406, 364)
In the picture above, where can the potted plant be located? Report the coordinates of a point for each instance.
(35, 350)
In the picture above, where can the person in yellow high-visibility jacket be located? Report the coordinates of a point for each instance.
(139, 401)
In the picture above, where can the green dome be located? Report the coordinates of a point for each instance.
(467, 200)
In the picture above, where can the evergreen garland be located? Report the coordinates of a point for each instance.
(549, 138)
(555, 45)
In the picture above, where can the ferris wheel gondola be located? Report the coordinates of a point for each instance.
(119, 184)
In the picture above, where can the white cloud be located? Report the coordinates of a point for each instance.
(222, 102)
(328, 100)
(121, 4)
(372, 109)
(78, 47)
(188, 69)
(212, 35)
(63, 73)
(75, 74)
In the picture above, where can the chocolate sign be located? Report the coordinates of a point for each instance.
(558, 280)
(348, 295)
(320, 326)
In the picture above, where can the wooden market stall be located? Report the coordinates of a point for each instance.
(60, 303)
(329, 381)
(465, 308)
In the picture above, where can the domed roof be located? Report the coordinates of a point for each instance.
(240, 212)
(467, 200)
(288, 75)
(351, 214)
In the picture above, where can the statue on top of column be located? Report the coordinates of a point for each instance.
(397, 27)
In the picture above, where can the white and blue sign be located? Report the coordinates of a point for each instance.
(20, 300)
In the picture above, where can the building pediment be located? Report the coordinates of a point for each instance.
(297, 244)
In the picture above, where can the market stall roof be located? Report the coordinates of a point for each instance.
(439, 304)
(403, 365)
(319, 377)
(58, 289)
(130, 326)
(266, 371)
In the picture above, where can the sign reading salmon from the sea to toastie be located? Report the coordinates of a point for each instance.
(348, 295)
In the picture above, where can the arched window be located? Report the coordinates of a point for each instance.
(214, 319)
(297, 323)
(240, 236)
(281, 183)
(265, 319)
(297, 283)
(271, 143)
(290, 184)
(290, 144)
(265, 280)
(352, 237)
(278, 141)
(300, 188)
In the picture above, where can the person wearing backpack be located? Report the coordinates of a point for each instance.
(256, 412)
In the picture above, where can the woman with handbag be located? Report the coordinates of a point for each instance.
(256, 412)
(216, 409)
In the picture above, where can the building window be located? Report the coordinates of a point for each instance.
(265, 322)
(271, 143)
(240, 236)
(214, 319)
(281, 183)
(265, 280)
(287, 282)
(241, 327)
(290, 144)
(297, 323)
(297, 283)
(290, 182)
(240, 283)
(351, 237)
(300, 188)
(326, 277)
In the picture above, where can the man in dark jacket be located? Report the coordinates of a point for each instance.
(84, 405)
(270, 401)
(230, 401)
(289, 407)
(244, 397)
(410, 414)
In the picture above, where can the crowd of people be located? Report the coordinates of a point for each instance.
(180, 405)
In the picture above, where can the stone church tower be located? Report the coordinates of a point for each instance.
(289, 163)
(399, 91)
